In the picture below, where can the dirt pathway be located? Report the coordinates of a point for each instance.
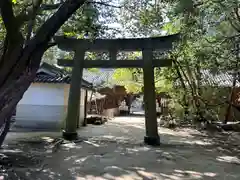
(115, 151)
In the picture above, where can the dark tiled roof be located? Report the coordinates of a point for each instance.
(41, 78)
(50, 79)
(89, 77)
(98, 78)
(52, 74)
(53, 69)
(221, 79)
(217, 79)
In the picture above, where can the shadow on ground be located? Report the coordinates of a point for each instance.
(115, 151)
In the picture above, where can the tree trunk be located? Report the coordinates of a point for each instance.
(12, 92)
(184, 99)
(19, 63)
(235, 76)
(4, 129)
(129, 103)
(231, 98)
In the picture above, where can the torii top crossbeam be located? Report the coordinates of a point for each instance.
(130, 44)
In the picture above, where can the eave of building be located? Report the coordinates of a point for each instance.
(50, 74)
(221, 79)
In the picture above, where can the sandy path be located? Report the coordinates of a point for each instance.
(115, 151)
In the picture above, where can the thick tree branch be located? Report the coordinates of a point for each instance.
(51, 45)
(35, 8)
(9, 20)
(53, 24)
(39, 43)
(24, 16)
(13, 40)
(105, 4)
(234, 26)
(7, 15)
(28, 12)
(236, 10)
(17, 91)
(47, 7)
(44, 34)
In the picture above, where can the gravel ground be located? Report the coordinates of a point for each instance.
(115, 151)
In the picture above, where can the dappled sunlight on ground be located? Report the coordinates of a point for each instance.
(229, 159)
(115, 151)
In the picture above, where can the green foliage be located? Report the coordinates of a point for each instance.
(206, 44)
(172, 27)
(209, 31)
(125, 77)
(95, 70)
(142, 18)
(14, 1)
(83, 23)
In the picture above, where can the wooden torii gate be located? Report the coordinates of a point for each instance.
(146, 45)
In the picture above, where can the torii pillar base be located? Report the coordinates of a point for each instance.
(70, 136)
(152, 141)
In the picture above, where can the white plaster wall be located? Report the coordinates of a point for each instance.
(44, 94)
(83, 94)
(42, 107)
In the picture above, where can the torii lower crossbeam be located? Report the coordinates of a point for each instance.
(116, 64)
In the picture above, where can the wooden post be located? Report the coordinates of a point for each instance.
(113, 55)
(85, 108)
(152, 137)
(70, 132)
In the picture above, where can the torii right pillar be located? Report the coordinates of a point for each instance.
(152, 137)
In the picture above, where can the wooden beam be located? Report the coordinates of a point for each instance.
(152, 137)
(85, 108)
(116, 64)
(113, 55)
(131, 44)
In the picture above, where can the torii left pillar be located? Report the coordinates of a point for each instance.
(152, 137)
(70, 130)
